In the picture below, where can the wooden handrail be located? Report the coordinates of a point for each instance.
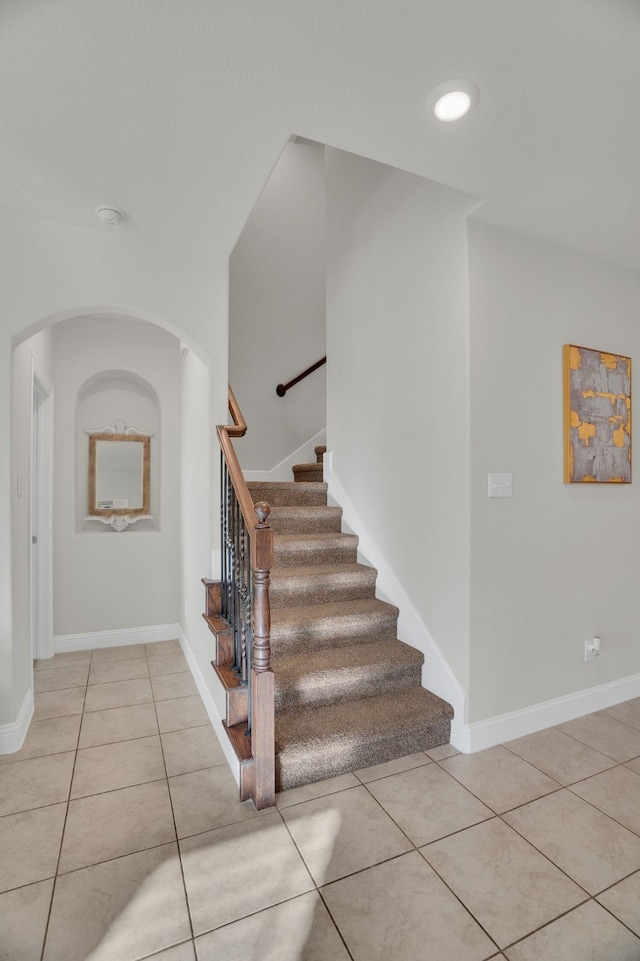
(261, 680)
(282, 389)
(239, 428)
(247, 506)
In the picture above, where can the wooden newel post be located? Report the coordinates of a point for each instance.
(262, 686)
(261, 655)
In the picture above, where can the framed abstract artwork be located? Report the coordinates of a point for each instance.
(597, 416)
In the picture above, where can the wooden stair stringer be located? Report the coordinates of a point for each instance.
(236, 694)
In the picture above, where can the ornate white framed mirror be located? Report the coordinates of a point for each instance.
(119, 482)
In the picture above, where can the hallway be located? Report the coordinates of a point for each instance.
(121, 838)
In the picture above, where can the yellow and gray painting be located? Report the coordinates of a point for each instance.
(597, 416)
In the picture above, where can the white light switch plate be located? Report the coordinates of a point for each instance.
(500, 485)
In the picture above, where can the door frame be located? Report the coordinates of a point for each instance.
(41, 513)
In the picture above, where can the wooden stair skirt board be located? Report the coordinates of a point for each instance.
(348, 693)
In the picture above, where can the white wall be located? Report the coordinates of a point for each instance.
(52, 272)
(103, 580)
(398, 418)
(277, 310)
(557, 563)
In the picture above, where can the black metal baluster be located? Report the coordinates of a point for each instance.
(237, 599)
(229, 498)
(249, 638)
(236, 581)
(242, 591)
(224, 522)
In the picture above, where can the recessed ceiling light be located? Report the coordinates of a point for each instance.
(454, 99)
(452, 106)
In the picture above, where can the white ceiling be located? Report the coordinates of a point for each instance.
(177, 110)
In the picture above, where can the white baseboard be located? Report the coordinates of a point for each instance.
(437, 675)
(305, 454)
(210, 707)
(131, 635)
(537, 717)
(12, 735)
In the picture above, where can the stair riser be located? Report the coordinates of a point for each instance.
(369, 630)
(316, 765)
(223, 641)
(326, 520)
(237, 706)
(344, 685)
(289, 495)
(293, 556)
(212, 599)
(308, 472)
(322, 589)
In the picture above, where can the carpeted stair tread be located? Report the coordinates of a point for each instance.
(321, 583)
(288, 493)
(320, 451)
(327, 741)
(291, 519)
(360, 670)
(290, 550)
(323, 626)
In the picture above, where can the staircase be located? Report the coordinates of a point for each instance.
(348, 693)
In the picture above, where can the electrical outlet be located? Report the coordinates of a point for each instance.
(592, 649)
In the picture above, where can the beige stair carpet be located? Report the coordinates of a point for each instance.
(348, 692)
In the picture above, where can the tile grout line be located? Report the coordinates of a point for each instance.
(395, 857)
(595, 806)
(610, 912)
(173, 814)
(541, 927)
(313, 881)
(431, 867)
(66, 816)
(577, 780)
(500, 817)
(591, 747)
(589, 897)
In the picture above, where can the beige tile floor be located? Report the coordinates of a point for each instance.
(121, 838)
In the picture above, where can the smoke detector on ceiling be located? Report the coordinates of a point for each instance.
(109, 214)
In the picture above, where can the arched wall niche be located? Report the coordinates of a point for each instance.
(102, 400)
(106, 368)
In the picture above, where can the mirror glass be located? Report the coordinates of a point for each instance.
(118, 474)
